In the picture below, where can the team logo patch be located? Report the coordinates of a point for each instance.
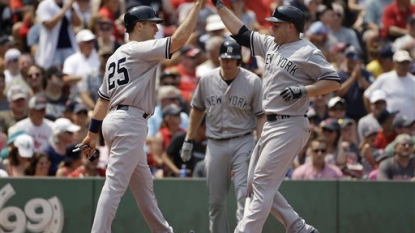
(229, 49)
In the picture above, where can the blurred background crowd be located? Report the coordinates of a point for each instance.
(52, 62)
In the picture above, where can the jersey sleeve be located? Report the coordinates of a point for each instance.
(319, 68)
(257, 98)
(153, 50)
(103, 89)
(198, 99)
(260, 44)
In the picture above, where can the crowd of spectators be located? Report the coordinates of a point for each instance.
(52, 62)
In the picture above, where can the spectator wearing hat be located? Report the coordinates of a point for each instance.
(6, 43)
(35, 78)
(212, 50)
(88, 169)
(81, 119)
(378, 157)
(56, 39)
(71, 161)
(36, 125)
(367, 149)
(382, 62)
(61, 137)
(19, 155)
(214, 27)
(188, 61)
(166, 95)
(12, 72)
(69, 109)
(54, 93)
(4, 103)
(355, 80)
(331, 132)
(398, 85)
(318, 32)
(39, 165)
(402, 165)
(407, 41)
(17, 98)
(377, 104)
(337, 108)
(169, 127)
(169, 78)
(320, 106)
(387, 133)
(9, 144)
(317, 168)
(394, 19)
(82, 65)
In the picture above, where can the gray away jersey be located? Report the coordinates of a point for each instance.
(287, 65)
(130, 76)
(230, 109)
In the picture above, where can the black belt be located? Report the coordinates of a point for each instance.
(274, 117)
(223, 139)
(126, 107)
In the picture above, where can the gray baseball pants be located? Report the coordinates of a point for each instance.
(222, 158)
(273, 155)
(125, 132)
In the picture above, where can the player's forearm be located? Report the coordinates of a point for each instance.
(196, 117)
(183, 32)
(87, 100)
(322, 87)
(101, 109)
(260, 121)
(232, 23)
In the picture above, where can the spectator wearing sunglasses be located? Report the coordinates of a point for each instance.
(35, 79)
(317, 168)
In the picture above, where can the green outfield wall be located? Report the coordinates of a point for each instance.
(67, 205)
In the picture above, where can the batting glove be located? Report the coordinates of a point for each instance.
(186, 152)
(218, 4)
(293, 92)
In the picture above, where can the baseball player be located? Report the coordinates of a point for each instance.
(231, 96)
(294, 70)
(128, 95)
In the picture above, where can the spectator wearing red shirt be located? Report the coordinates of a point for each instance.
(110, 10)
(394, 18)
(387, 134)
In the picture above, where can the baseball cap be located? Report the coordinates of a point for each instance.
(62, 125)
(214, 23)
(351, 53)
(339, 47)
(379, 155)
(384, 115)
(53, 70)
(171, 110)
(386, 52)
(377, 95)
(16, 92)
(12, 54)
(79, 107)
(6, 40)
(367, 131)
(333, 101)
(345, 122)
(330, 124)
(25, 145)
(401, 121)
(12, 137)
(189, 51)
(401, 56)
(38, 102)
(70, 105)
(85, 35)
(410, 19)
(403, 138)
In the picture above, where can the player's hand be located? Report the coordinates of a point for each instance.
(293, 92)
(88, 147)
(186, 153)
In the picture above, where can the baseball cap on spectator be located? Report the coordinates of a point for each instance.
(70, 105)
(38, 102)
(351, 53)
(403, 138)
(379, 155)
(189, 51)
(12, 137)
(53, 70)
(6, 40)
(370, 130)
(84, 36)
(168, 92)
(385, 115)
(345, 122)
(25, 145)
(16, 92)
(330, 124)
(402, 122)
(12, 54)
(62, 125)
(401, 56)
(214, 23)
(377, 95)
(410, 19)
(386, 52)
(80, 108)
(171, 110)
(335, 100)
(70, 155)
(339, 47)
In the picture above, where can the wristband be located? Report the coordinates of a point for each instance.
(95, 125)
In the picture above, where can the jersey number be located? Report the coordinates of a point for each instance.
(123, 77)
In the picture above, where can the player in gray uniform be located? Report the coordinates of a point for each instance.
(127, 99)
(294, 70)
(231, 96)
